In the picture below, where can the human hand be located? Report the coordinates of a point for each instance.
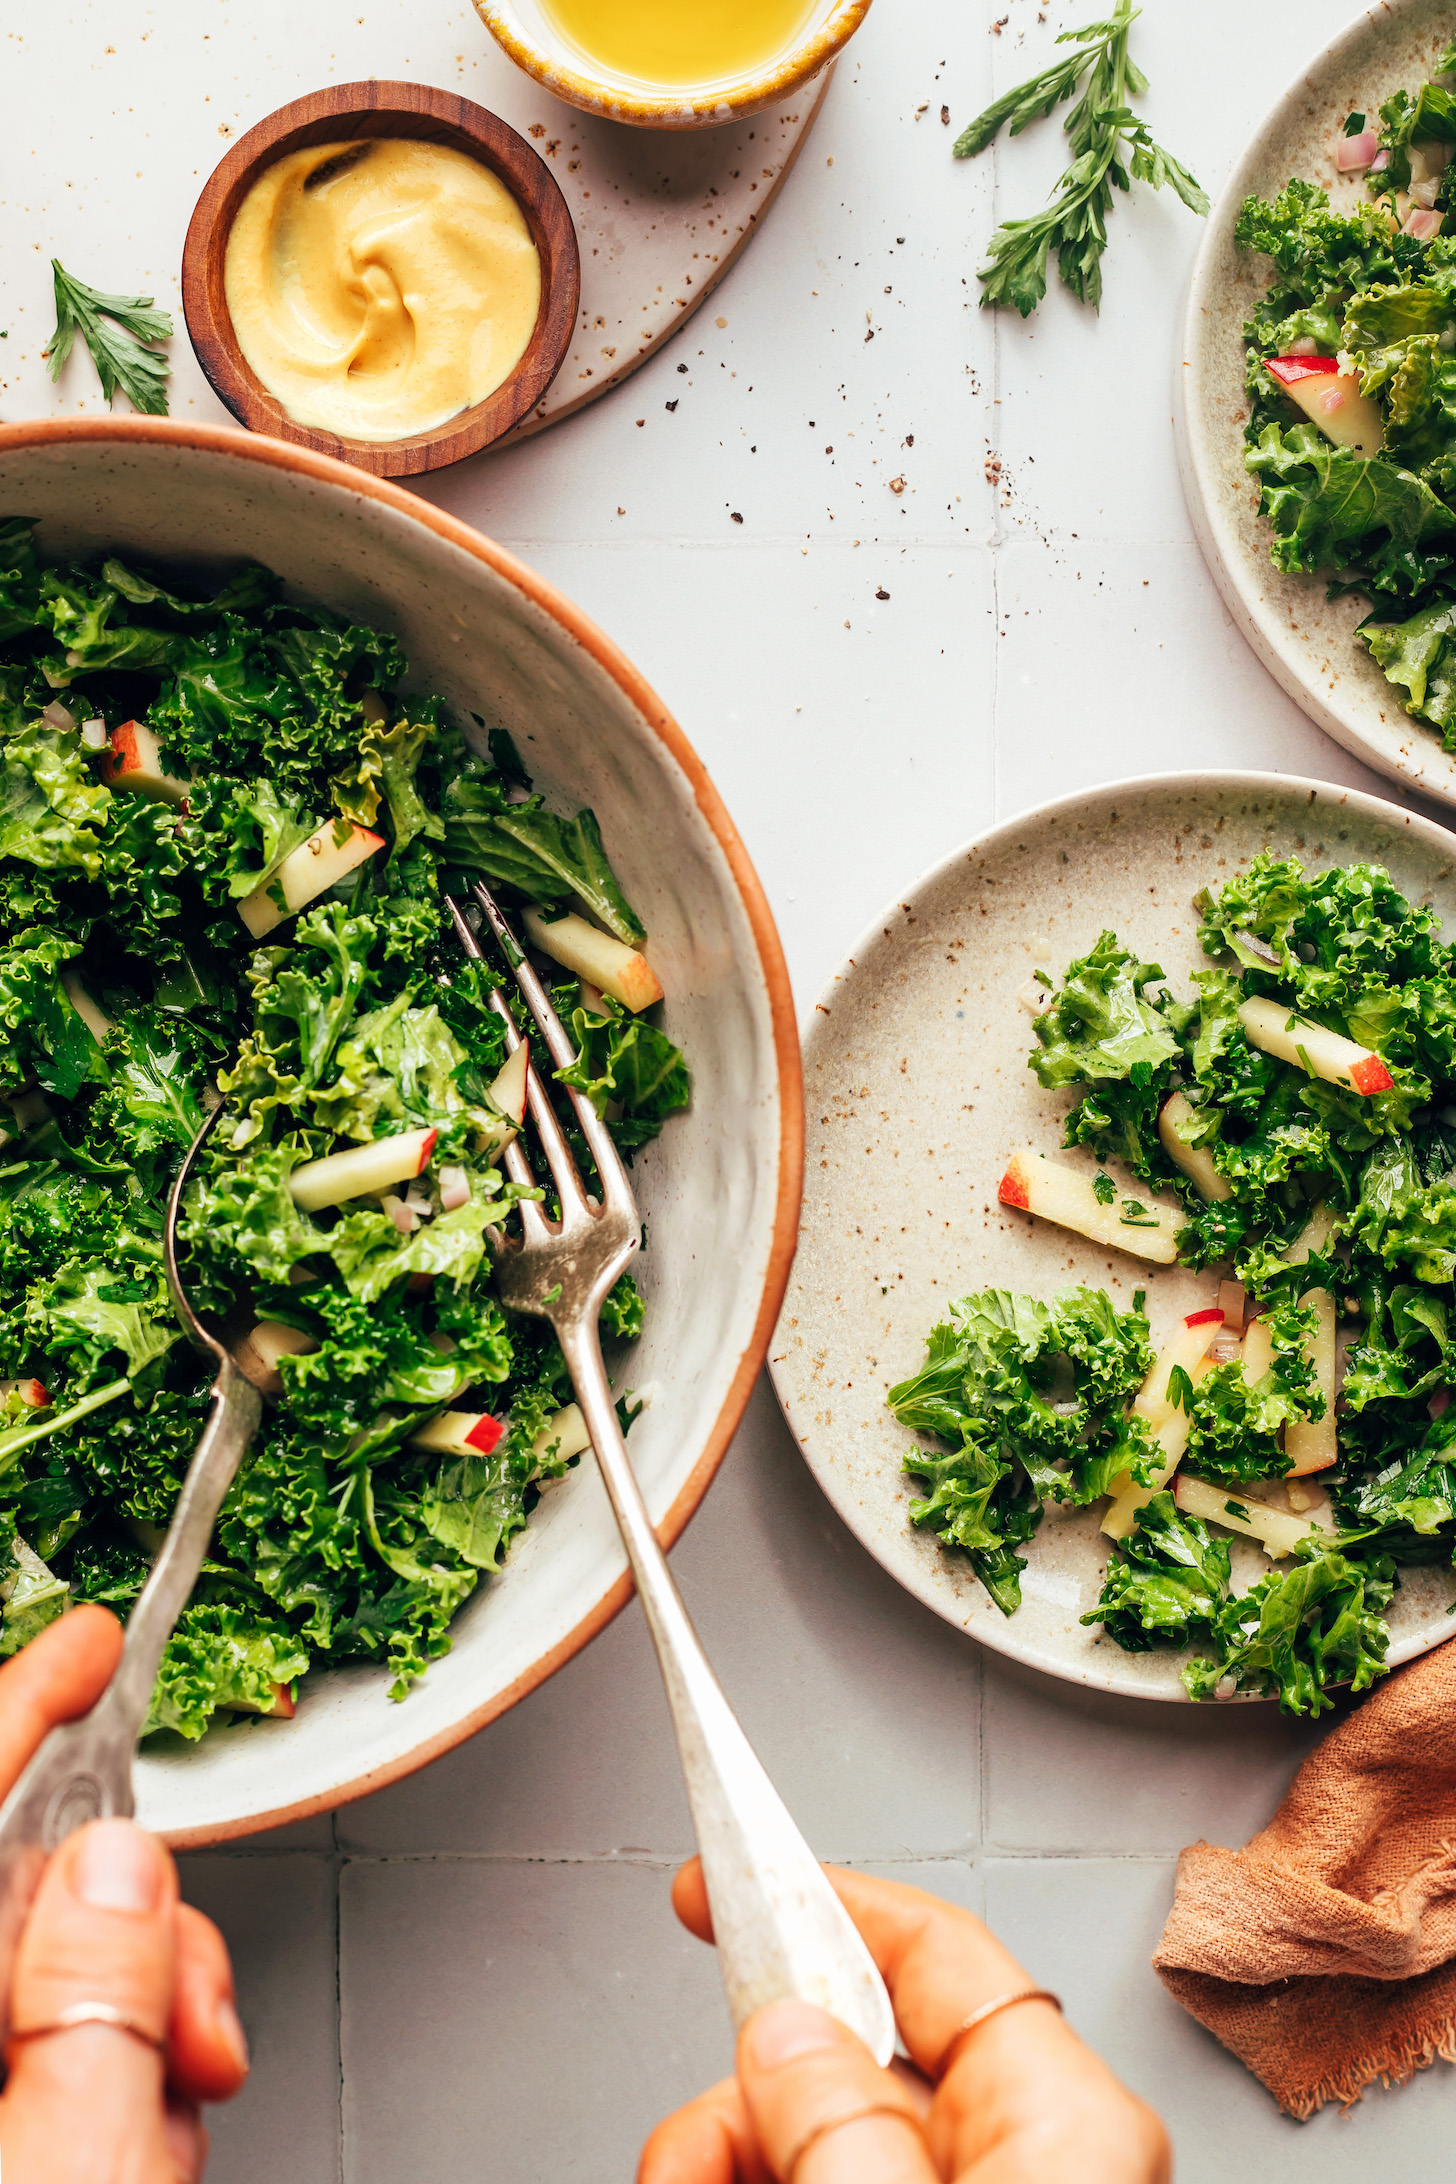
(94, 2104)
(1022, 2102)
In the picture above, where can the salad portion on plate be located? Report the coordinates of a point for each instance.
(1351, 383)
(225, 833)
(1287, 1117)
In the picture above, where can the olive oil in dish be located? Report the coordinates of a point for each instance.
(680, 46)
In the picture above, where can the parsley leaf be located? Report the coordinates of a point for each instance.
(115, 329)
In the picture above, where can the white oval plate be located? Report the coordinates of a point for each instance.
(917, 1086)
(1306, 641)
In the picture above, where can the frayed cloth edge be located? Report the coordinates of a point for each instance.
(1349, 2081)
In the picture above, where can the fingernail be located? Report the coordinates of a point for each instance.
(788, 2029)
(230, 2032)
(117, 1868)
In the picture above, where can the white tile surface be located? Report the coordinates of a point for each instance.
(516, 2000)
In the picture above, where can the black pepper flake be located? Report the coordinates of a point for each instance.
(669, 405)
(882, 593)
(735, 517)
(682, 367)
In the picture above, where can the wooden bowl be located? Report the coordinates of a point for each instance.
(342, 113)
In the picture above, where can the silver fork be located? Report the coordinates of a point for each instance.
(779, 1927)
(83, 1770)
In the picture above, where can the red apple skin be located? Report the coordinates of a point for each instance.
(426, 1150)
(1201, 1319)
(283, 1707)
(486, 1436)
(1013, 1190)
(1286, 369)
(1371, 1077)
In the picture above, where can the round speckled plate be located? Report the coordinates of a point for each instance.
(917, 1086)
(1306, 641)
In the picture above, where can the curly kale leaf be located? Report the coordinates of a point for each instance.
(1167, 1584)
(221, 1657)
(1295, 1633)
(50, 809)
(373, 1354)
(47, 1042)
(1330, 508)
(1236, 1422)
(543, 857)
(626, 1064)
(1101, 1025)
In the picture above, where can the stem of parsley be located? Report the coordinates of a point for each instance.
(1100, 127)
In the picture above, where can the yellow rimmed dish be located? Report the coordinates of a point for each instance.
(525, 30)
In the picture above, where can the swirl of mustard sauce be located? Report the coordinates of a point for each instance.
(378, 288)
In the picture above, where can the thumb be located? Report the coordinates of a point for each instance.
(101, 1930)
(824, 2111)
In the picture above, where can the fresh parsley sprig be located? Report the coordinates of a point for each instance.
(114, 329)
(1111, 148)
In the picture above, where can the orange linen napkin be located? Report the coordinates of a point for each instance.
(1322, 1953)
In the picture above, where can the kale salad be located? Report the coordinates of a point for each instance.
(1289, 1126)
(1351, 378)
(225, 834)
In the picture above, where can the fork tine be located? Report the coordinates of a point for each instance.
(615, 1187)
(518, 1168)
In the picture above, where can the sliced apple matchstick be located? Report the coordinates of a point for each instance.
(1330, 399)
(1276, 1533)
(460, 1433)
(599, 957)
(134, 761)
(31, 1392)
(1185, 1351)
(1313, 1443)
(1058, 1193)
(364, 1171)
(1196, 1161)
(305, 873)
(1276, 1028)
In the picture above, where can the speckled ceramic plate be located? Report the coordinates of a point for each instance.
(917, 1085)
(1306, 641)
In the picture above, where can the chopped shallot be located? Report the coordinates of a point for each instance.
(1305, 346)
(1034, 996)
(1380, 162)
(1232, 1303)
(454, 1189)
(418, 1201)
(400, 1214)
(1356, 151)
(1425, 193)
(93, 734)
(58, 717)
(1422, 225)
(1439, 1402)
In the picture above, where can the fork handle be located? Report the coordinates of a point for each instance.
(779, 1927)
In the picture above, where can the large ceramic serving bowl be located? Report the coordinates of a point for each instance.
(1306, 641)
(719, 1191)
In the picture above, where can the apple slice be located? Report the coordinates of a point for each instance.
(365, 1171)
(272, 1340)
(1274, 1027)
(1313, 1443)
(507, 1090)
(460, 1433)
(1064, 1195)
(618, 970)
(1185, 1351)
(31, 1393)
(567, 1430)
(306, 872)
(1331, 399)
(282, 1709)
(1196, 1161)
(134, 761)
(96, 1020)
(1276, 1533)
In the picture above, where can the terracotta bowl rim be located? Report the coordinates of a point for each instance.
(236, 445)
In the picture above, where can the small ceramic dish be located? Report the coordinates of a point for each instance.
(1306, 641)
(527, 34)
(917, 1088)
(345, 113)
(719, 1190)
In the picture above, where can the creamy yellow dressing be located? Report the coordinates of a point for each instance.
(381, 287)
(681, 43)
